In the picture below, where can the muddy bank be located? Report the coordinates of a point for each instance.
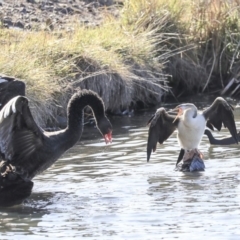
(54, 15)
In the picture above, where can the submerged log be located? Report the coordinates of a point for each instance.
(232, 88)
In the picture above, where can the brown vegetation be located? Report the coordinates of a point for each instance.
(134, 54)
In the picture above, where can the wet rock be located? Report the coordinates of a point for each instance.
(18, 24)
(192, 162)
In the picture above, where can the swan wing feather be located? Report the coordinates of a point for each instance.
(19, 134)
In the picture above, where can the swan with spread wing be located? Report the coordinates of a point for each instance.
(28, 150)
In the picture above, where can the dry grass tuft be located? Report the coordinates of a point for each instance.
(192, 44)
(212, 28)
(104, 59)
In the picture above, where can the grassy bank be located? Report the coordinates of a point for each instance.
(114, 60)
(203, 44)
(192, 46)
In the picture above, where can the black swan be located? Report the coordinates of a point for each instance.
(190, 125)
(9, 88)
(28, 150)
(222, 141)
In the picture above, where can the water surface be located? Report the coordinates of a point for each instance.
(110, 192)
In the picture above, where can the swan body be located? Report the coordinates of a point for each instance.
(190, 125)
(30, 149)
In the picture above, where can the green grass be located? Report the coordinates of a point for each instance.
(106, 59)
(193, 44)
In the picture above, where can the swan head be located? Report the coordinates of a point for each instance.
(105, 127)
(182, 108)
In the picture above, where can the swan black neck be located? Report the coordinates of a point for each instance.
(75, 111)
(223, 141)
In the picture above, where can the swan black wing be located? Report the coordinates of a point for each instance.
(221, 113)
(161, 126)
(19, 134)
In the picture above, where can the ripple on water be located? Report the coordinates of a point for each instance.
(110, 192)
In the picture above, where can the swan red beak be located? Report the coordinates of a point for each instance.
(180, 112)
(108, 137)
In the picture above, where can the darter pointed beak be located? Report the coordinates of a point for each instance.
(180, 112)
